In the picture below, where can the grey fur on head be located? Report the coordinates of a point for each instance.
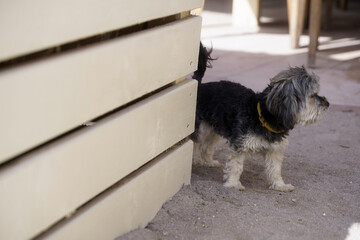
(287, 93)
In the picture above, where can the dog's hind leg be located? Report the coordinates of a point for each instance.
(233, 170)
(273, 162)
(207, 140)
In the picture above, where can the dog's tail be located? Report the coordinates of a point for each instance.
(204, 61)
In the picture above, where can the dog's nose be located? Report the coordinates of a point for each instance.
(325, 102)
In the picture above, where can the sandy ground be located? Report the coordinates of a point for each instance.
(322, 162)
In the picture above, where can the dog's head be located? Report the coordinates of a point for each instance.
(292, 96)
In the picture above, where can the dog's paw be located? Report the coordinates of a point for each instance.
(282, 187)
(196, 160)
(212, 163)
(237, 185)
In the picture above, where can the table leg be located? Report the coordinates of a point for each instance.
(314, 29)
(246, 13)
(296, 17)
(327, 18)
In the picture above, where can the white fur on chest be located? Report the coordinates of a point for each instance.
(257, 144)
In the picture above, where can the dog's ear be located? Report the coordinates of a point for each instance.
(287, 92)
(281, 101)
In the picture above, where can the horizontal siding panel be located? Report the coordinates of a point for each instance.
(28, 26)
(51, 182)
(135, 203)
(41, 100)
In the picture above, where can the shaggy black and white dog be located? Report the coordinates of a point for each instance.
(253, 122)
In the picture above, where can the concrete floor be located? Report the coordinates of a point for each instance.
(251, 57)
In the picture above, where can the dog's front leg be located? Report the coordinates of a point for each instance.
(273, 162)
(233, 169)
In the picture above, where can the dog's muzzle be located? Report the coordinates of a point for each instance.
(323, 101)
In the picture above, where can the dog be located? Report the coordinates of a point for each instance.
(253, 123)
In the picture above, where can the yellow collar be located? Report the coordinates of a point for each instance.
(264, 123)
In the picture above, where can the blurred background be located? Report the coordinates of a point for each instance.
(251, 53)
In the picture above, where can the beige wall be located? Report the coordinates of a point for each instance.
(60, 179)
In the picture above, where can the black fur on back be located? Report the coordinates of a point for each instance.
(231, 109)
